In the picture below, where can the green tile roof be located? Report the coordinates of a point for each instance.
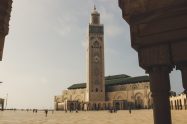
(77, 86)
(127, 80)
(115, 80)
(116, 76)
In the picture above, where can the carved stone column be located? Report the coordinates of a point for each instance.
(160, 38)
(160, 88)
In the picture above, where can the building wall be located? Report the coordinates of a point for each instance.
(178, 102)
(75, 94)
(137, 94)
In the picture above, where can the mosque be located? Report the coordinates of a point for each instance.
(100, 92)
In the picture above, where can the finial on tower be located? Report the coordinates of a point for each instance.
(94, 7)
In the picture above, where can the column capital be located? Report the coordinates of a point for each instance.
(159, 80)
(180, 66)
(159, 69)
(161, 94)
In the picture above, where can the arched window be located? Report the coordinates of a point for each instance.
(96, 44)
(175, 104)
(171, 104)
(180, 104)
(185, 104)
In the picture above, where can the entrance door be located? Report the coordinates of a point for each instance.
(72, 106)
(117, 106)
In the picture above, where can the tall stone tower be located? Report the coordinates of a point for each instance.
(95, 60)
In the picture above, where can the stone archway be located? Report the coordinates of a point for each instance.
(104, 106)
(118, 101)
(118, 96)
(79, 103)
(171, 104)
(72, 106)
(78, 98)
(150, 101)
(94, 106)
(117, 106)
(99, 107)
(150, 25)
(139, 102)
(185, 104)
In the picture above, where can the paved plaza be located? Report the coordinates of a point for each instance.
(94, 117)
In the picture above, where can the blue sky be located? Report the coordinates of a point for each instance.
(45, 53)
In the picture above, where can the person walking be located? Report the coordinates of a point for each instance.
(46, 111)
(129, 109)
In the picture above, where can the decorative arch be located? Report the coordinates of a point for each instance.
(139, 101)
(78, 98)
(104, 106)
(96, 44)
(185, 104)
(135, 86)
(138, 95)
(94, 106)
(180, 104)
(150, 100)
(118, 96)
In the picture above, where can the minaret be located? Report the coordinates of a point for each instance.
(95, 60)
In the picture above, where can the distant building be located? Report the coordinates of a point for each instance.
(117, 91)
(178, 102)
(121, 92)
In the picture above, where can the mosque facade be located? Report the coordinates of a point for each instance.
(100, 92)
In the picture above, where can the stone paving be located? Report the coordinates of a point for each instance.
(93, 117)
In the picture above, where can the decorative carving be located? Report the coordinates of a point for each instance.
(118, 96)
(133, 8)
(78, 98)
(96, 29)
(96, 59)
(157, 55)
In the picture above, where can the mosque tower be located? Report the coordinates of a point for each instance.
(95, 85)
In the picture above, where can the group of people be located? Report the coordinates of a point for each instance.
(76, 110)
(45, 111)
(35, 110)
(113, 110)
